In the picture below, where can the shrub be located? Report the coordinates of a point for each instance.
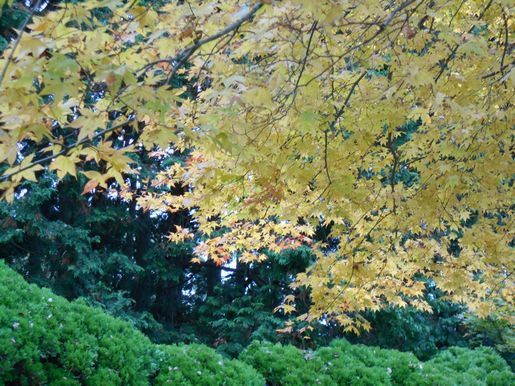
(343, 363)
(359, 364)
(462, 366)
(285, 365)
(44, 339)
(198, 365)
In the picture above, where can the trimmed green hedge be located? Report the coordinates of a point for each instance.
(343, 363)
(46, 340)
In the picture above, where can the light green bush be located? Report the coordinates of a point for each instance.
(285, 365)
(343, 363)
(44, 339)
(461, 366)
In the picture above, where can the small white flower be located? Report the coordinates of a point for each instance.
(49, 316)
(16, 325)
(50, 300)
(388, 370)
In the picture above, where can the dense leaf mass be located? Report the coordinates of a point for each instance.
(344, 364)
(264, 177)
(45, 339)
(107, 252)
(386, 122)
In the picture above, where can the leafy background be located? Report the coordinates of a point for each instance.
(107, 252)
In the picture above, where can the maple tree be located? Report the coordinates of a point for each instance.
(387, 122)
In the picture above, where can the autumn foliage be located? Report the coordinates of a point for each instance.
(388, 123)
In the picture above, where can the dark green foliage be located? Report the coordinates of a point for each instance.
(236, 323)
(44, 338)
(100, 248)
(345, 364)
(422, 333)
(13, 14)
(113, 255)
(240, 308)
(11, 19)
(494, 332)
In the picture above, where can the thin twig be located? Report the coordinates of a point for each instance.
(457, 11)
(18, 39)
(186, 53)
(453, 51)
(326, 163)
(65, 150)
(506, 34)
(345, 104)
(304, 61)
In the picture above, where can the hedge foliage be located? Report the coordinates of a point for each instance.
(343, 363)
(46, 340)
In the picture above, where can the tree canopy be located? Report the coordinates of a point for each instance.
(386, 123)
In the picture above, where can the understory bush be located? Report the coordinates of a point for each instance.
(46, 340)
(343, 363)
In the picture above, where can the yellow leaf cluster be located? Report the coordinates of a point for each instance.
(299, 121)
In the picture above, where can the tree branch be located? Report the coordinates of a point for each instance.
(345, 104)
(455, 49)
(64, 151)
(506, 38)
(304, 61)
(186, 53)
(18, 39)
